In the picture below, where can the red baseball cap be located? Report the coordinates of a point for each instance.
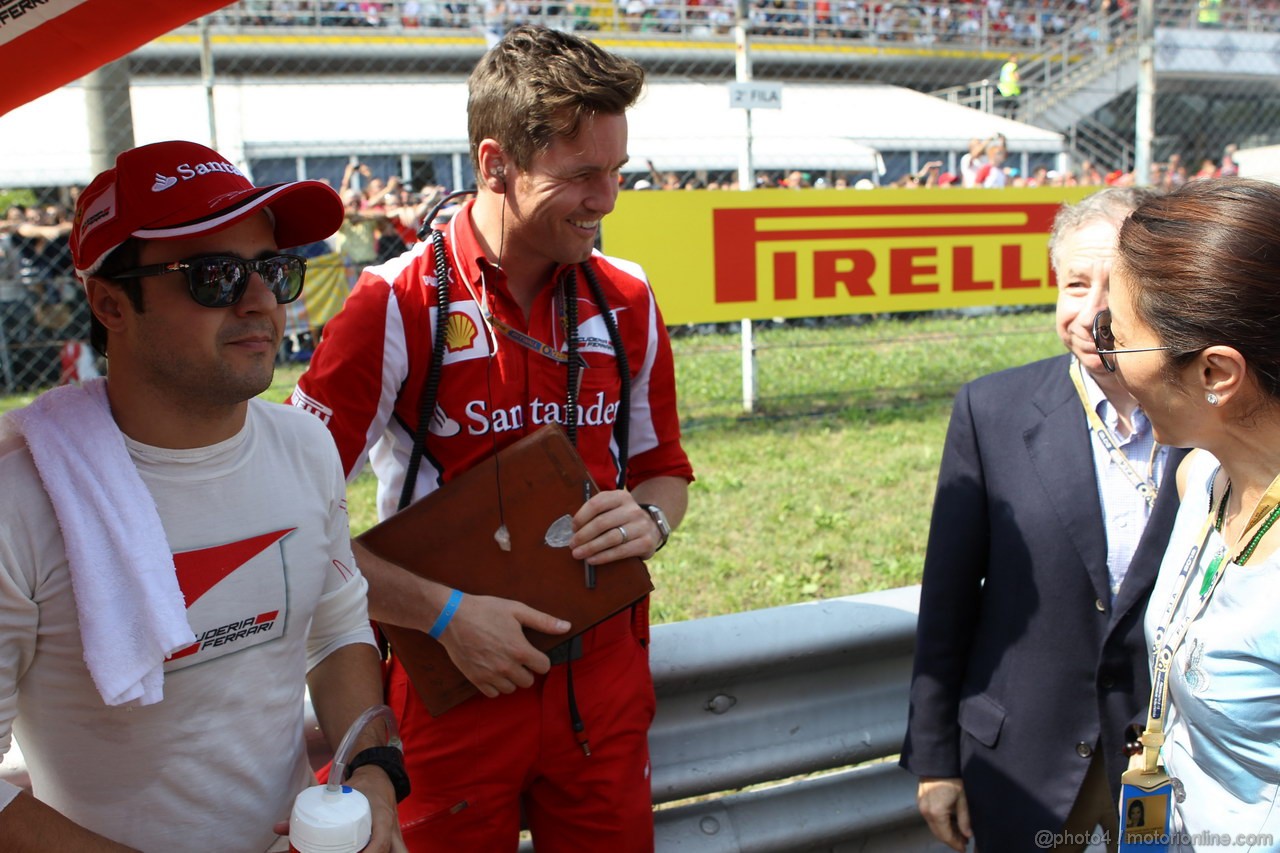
(171, 190)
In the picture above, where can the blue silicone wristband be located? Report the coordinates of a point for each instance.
(446, 615)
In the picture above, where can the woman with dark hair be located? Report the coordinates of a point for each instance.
(1137, 815)
(1192, 334)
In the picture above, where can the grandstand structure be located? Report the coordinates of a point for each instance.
(301, 87)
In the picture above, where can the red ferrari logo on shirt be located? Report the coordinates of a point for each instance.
(235, 596)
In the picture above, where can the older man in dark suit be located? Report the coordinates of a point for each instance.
(1048, 528)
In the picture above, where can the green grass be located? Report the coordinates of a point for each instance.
(826, 488)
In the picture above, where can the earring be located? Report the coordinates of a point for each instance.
(1211, 398)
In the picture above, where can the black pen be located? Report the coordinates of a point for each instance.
(590, 570)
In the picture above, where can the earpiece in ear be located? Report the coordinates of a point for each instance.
(501, 174)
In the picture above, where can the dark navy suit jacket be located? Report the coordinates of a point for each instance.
(1024, 666)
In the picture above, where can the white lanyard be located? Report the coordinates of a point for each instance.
(1165, 645)
(1144, 484)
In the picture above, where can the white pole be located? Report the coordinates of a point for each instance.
(748, 367)
(206, 75)
(1145, 118)
(457, 172)
(742, 66)
(746, 183)
(109, 114)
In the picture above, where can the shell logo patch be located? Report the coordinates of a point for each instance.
(460, 332)
(464, 335)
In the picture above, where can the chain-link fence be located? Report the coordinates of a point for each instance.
(44, 326)
(370, 96)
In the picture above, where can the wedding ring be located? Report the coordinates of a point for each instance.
(625, 537)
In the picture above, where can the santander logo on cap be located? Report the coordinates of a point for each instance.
(187, 171)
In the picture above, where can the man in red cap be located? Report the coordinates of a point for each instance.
(174, 555)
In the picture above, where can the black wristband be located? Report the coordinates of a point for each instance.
(391, 760)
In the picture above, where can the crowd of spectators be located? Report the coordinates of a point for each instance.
(984, 165)
(35, 256)
(1008, 22)
(383, 214)
(382, 219)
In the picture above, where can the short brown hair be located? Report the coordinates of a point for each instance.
(1203, 263)
(537, 84)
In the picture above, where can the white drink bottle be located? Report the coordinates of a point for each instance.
(335, 818)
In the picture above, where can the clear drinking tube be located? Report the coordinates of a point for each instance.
(342, 756)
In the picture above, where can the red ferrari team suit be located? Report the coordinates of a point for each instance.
(477, 766)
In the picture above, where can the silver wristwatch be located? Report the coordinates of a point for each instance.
(659, 518)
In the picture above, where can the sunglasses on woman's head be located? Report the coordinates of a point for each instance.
(219, 281)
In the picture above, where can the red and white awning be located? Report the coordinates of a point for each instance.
(45, 44)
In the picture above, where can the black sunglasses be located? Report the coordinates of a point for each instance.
(219, 281)
(1105, 342)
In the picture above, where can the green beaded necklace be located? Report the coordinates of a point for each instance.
(1244, 556)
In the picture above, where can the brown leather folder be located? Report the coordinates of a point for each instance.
(448, 536)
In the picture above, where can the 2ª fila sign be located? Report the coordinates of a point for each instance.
(723, 256)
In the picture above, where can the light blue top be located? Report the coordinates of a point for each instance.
(1223, 728)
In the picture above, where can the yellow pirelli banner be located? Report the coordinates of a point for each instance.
(722, 256)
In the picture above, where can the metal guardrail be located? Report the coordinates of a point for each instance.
(789, 699)
(769, 696)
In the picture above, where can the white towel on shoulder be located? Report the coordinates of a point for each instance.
(131, 610)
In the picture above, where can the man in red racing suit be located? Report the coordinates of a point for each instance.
(520, 264)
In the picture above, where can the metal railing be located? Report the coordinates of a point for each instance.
(803, 700)
(1098, 143)
(1093, 46)
(1046, 69)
